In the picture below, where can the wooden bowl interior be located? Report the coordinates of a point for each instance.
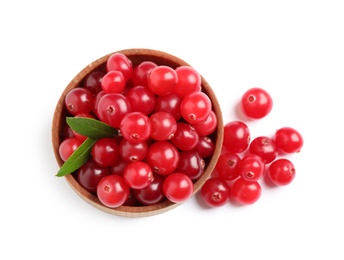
(136, 56)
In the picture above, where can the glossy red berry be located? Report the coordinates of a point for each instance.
(138, 175)
(163, 157)
(112, 191)
(92, 81)
(112, 108)
(135, 127)
(189, 80)
(195, 107)
(118, 167)
(256, 103)
(185, 137)
(68, 146)
(215, 192)
(162, 80)
(205, 146)
(246, 192)
(177, 187)
(251, 167)
(120, 62)
(79, 100)
(151, 194)
(113, 82)
(163, 126)
(264, 147)
(236, 137)
(140, 74)
(207, 126)
(90, 174)
(132, 152)
(141, 99)
(191, 163)
(169, 103)
(288, 140)
(227, 166)
(105, 151)
(281, 172)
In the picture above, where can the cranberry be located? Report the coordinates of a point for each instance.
(236, 137)
(162, 80)
(79, 100)
(215, 192)
(68, 146)
(178, 187)
(163, 157)
(90, 174)
(113, 191)
(112, 108)
(151, 194)
(120, 62)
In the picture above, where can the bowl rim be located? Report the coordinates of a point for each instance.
(134, 54)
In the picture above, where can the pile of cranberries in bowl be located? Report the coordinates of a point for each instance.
(137, 132)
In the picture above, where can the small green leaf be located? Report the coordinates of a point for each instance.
(78, 158)
(91, 127)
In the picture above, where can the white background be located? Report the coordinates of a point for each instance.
(293, 49)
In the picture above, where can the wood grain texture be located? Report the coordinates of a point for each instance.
(136, 56)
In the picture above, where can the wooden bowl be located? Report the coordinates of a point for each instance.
(136, 56)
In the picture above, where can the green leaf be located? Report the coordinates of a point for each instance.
(91, 127)
(78, 158)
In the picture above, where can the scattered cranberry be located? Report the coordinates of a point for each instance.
(246, 192)
(281, 172)
(251, 167)
(264, 147)
(215, 192)
(288, 140)
(236, 137)
(256, 103)
(227, 166)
